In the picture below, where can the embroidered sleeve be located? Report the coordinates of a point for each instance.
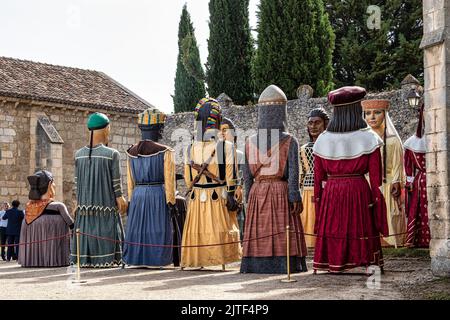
(130, 180)
(169, 176)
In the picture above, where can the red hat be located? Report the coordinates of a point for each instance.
(346, 95)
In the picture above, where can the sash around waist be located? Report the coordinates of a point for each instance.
(346, 176)
(146, 184)
(269, 179)
(210, 185)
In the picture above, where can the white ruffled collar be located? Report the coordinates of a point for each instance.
(416, 144)
(348, 145)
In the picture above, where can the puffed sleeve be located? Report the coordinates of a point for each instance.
(130, 180)
(187, 168)
(231, 166)
(169, 176)
(396, 154)
(379, 204)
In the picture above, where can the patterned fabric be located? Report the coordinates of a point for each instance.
(208, 220)
(97, 213)
(34, 209)
(151, 116)
(214, 114)
(418, 228)
(268, 209)
(307, 165)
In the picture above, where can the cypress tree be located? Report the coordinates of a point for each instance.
(230, 50)
(189, 78)
(295, 46)
(377, 58)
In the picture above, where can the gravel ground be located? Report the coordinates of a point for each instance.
(404, 278)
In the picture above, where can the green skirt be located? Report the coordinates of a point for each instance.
(96, 223)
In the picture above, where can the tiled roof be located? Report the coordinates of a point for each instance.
(71, 86)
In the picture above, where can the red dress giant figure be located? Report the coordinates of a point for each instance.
(416, 184)
(350, 213)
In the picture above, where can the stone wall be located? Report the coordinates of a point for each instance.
(21, 137)
(21, 142)
(178, 128)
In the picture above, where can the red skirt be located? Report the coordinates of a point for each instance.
(347, 236)
(268, 214)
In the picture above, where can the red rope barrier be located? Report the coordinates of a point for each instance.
(35, 242)
(204, 245)
(177, 246)
(360, 238)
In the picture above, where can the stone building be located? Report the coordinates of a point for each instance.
(436, 44)
(43, 114)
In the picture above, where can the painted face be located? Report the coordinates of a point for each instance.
(107, 132)
(316, 125)
(226, 133)
(53, 188)
(374, 118)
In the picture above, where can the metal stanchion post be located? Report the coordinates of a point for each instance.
(288, 257)
(79, 281)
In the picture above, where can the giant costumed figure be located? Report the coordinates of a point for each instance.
(416, 185)
(228, 133)
(271, 178)
(151, 188)
(317, 123)
(377, 116)
(209, 173)
(350, 213)
(99, 198)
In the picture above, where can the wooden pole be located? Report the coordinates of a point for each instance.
(288, 256)
(78, 259)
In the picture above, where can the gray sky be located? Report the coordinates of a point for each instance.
(133, 41)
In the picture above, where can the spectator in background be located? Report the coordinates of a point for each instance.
(3, 223)
(14, 217)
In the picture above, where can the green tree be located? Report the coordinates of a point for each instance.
(230, 50)
(295, 46)
(189, 78)
(376, 57)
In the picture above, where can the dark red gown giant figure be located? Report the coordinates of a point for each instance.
(416, 183)
(350, 212)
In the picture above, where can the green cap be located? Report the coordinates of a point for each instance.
(97, 121)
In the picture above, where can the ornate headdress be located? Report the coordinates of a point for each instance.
(209, 113)
(151, 116)
(272, 109)
(389, 129)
